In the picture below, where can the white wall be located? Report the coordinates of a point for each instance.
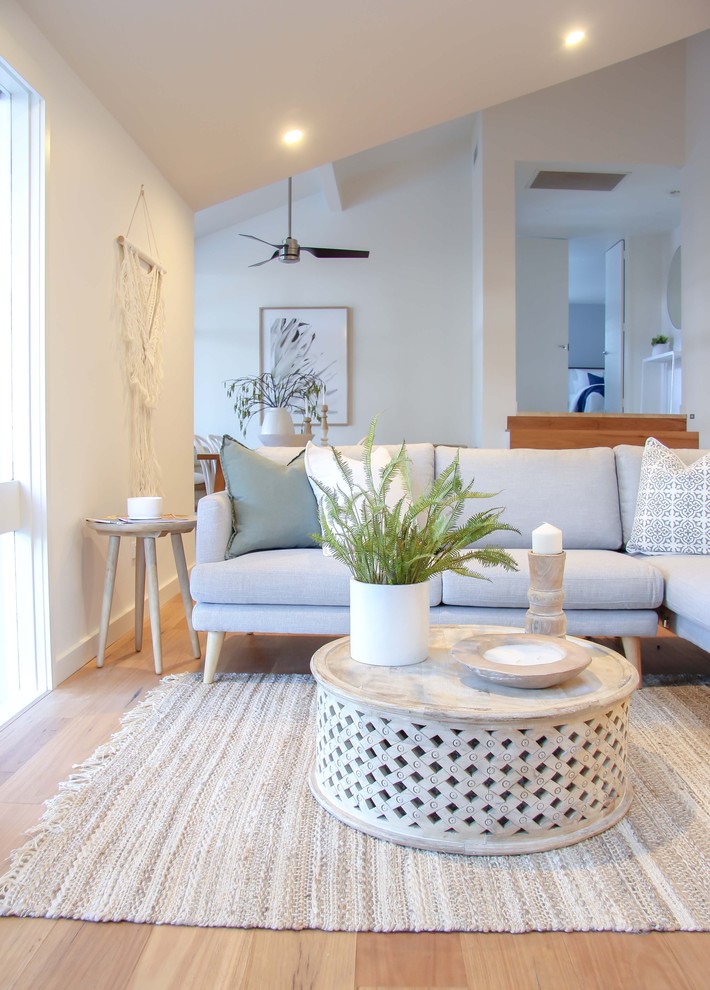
(695, 233)
(410, 347)
(542, 307)
(94, 174)
(632, 112)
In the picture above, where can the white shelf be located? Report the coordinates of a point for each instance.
(660, 383)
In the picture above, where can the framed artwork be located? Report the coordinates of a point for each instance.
(311, 340)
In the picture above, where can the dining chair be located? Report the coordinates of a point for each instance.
(204, 470)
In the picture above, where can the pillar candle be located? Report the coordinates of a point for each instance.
(547, 539)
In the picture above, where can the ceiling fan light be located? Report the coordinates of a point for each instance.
(289, 252)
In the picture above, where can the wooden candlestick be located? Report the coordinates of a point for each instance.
(324, 425)
(545, 616)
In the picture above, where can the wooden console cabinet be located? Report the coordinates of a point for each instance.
(556, 431)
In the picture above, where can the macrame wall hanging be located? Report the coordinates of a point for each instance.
(140, 293)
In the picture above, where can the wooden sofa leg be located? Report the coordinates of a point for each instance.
(214, 647)
(632, 649)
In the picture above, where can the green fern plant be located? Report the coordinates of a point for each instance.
(411, 539)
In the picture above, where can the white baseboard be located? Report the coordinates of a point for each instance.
(86, 650)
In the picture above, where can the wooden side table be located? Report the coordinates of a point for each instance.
(146, 532)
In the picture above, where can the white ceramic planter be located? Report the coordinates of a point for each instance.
(144, 507)
(277, 421)
(660, 348)
(389, 623)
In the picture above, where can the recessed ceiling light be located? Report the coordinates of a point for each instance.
(293, 137)
(574, 38)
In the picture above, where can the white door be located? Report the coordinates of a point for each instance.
(614, 316)
(542, 324)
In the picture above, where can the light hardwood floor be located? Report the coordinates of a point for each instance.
(37, 751)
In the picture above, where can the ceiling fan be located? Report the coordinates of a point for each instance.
(289, 250)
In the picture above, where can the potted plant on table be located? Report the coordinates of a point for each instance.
(276, 398)
(660, 344)
(393, 542)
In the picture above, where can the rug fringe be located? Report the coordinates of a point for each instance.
(57, 808)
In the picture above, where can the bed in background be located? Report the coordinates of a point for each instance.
(586, 390)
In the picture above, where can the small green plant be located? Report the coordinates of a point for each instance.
(252, 394)
(660, 339)
(410, 539)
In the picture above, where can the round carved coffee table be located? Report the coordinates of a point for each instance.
(435, 757)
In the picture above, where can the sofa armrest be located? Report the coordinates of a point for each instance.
(214, 527)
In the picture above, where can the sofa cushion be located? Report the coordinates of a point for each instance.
(687, 580)
(421, 459)
(593, 579)
(628, 470)
(673, 504)
(574, 490)
(272, 504)
(279, 577)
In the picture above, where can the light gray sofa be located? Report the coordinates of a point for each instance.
(588, 493)
(686, 577)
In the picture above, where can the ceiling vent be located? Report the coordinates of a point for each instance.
(586, 181)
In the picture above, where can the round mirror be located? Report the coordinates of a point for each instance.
(673, 290)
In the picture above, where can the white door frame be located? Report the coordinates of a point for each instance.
(614, 326)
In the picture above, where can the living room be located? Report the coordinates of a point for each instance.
(95, 169)
(87, 204)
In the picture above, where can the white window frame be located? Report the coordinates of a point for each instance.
(23, 501)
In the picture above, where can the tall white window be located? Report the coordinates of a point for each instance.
(24, 627)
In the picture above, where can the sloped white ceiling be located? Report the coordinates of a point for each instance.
(207, 88)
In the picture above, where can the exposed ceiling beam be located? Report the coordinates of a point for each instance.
(331, 189)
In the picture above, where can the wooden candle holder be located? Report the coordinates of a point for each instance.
(545, 616)
(324, 425)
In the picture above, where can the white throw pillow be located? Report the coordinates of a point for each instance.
(673, 504)
(321, 465)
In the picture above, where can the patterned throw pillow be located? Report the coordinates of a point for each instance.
(673, 504)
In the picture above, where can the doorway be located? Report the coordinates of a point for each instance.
(642, 214)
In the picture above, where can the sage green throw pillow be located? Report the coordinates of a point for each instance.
(273, 506)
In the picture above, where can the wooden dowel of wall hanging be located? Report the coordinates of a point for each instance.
(141, 254)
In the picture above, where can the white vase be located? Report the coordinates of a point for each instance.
(660, 348)
(277, 421)
(389, 623)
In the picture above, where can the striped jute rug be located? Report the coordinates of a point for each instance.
(198, 812)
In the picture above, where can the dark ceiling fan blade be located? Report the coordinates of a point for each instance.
(335, 252)
(261, 239)
(267, 260)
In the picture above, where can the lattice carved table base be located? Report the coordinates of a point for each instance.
(461, 786)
